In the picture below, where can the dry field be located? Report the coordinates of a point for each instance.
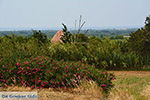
(129, 85)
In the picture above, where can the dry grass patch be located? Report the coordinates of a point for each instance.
(16, 88)
(88, 90)
(146, 92)
(119, 94)
(132, 82)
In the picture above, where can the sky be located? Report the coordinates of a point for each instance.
(52, 13)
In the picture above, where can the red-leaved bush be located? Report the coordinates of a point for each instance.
(43, 72)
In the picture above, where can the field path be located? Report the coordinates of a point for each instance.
(131, 73)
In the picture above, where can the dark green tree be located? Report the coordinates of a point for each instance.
(41, 37)
(67, 37)
(140, 40)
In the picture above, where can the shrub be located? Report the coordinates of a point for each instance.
(17, 47)
(102, 53)
(67, 52)
(43, 72)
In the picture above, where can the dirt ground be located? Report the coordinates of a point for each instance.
(131, 73)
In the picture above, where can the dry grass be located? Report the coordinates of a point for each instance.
(91, 90)
(86, 91)
(16, 88)
(132, 83)
(118, 94)
(146, 92)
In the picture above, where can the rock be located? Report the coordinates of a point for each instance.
(57, 37)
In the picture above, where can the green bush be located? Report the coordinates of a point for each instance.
(18, 47)
(102, 53)
(67, 52)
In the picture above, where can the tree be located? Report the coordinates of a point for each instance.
(139, 41)
(66, 38)
(42, 38)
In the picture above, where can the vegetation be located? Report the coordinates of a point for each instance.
(126, 84)
(131, 85)
(65, 65)
(42, 38)
(104, 53)
(140, 40)
(67, 37)
(47, 73)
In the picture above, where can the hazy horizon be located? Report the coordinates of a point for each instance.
(71, 28)
(49, 14)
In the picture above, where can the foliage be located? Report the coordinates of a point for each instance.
(43, 72)
(42, 38)
(103, 53)
(139, 41)
(18, 47)
(82, 38)
(67, 37)
(108, 54)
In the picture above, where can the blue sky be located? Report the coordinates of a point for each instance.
(51, 13)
